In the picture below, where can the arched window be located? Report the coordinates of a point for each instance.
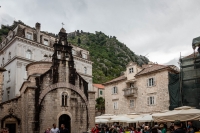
(85, 70)
(28, 54)
(9, 56)
(64, 99)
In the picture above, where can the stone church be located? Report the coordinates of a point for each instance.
(53, 92)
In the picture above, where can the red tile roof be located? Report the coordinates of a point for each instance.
(99, 86)
(116, 79)
(152, 68)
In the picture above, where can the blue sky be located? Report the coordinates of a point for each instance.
(158, 29)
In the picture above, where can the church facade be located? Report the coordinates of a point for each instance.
(54, 92)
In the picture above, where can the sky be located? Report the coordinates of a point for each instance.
(161, 30)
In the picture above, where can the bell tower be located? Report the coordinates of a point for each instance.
(63, 63)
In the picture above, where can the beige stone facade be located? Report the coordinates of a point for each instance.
(139, 90)
(99, 89)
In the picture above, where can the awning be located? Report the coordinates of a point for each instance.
(183, 113)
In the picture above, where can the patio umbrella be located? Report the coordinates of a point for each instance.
(120, 119)
(183, 113)
(141, 118)
(106, 117)
(98, 121)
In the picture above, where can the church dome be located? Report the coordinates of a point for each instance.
(39, 67)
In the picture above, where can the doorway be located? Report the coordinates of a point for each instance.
(66, 120)
(11, 127)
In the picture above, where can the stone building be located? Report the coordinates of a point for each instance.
(140, 90)
(53, 92)
(24, 45)
(99, 89)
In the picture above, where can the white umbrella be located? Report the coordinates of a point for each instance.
(183, 113)
(142, 118)
(106, 117)
(120, 119)
(101, 121)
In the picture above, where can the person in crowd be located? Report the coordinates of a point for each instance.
(177, 127)
(132, 130)
(191, 128)
(157, 127)
(127, 130)
(63, 129)
(138, 130)
(54, 129)
(47, 130)
(103, 130)
(121, 130)
(162, 127)
(113, 129)
(95, 129)
(154, 130)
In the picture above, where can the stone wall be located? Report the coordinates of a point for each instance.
(159, 91)
(10, 112)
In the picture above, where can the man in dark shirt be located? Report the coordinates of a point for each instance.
(63, 129)
(177, 127)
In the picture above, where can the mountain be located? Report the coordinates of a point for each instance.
(109, 56)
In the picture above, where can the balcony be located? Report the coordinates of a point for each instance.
(130, 92)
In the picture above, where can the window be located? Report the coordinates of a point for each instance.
(85, 70)
(131, 70)
(131, 85)
(151, 82)
(101, 92)
(3, 61)
(8, 92)
(8, 75)
(46, 42)
(84, 56)
(29, 35)
(114, 90)
(115, 105)
(131, 103)
(64, 99)
(9, 56)
(150, 100)
(28, 54)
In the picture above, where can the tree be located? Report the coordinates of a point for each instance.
(100, 104)
(79, 41)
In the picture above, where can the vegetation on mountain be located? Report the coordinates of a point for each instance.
(109, 56)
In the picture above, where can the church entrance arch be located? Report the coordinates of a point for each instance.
(66, 120)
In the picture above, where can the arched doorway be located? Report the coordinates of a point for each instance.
(65, 119)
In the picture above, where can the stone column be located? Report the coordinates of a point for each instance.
(91, 109)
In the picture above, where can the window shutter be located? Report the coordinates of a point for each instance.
(116, 105)
(154, 81)
(148, 101)
(147, 82)
(116, 90)
(153, 100)
(112, 90)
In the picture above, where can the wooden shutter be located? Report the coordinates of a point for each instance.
(116, 90)
(112, 90)
(154, 81)
(153, 100)
(147, 82)
(148, 100)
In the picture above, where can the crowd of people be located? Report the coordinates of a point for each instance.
(176, 127)
(4, 130)
(54, 129)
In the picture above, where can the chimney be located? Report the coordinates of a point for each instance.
(37, 27)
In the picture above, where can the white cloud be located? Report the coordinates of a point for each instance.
(161, 28)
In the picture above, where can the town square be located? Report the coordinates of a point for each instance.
(89, 66)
